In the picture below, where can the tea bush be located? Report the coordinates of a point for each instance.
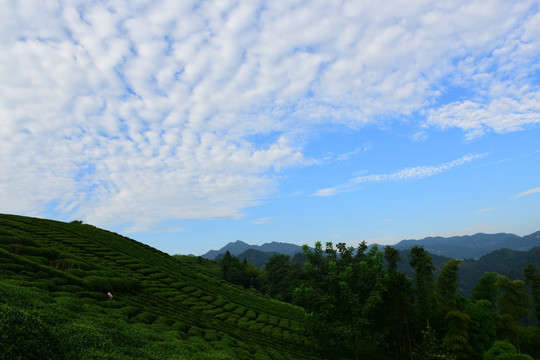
(23, 336)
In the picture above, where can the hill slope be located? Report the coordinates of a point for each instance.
(163, 306)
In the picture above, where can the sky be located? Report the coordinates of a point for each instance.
(190, 124)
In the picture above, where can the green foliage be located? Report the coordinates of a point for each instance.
(343, 294)
(54, 278)
(163, 307)
(514, 357)
(482, 330)
(456, 338)
(514, 300)
(23, 336)
(420, 261)
(240, 273)
(280, 277)
(499, 348)
(532, 277)
(447, 285)
(398, 307)
(486, 289)
(529, 341)
(431, 348)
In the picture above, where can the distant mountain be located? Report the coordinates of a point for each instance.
(238, 247)
(281, 248)
(234, 248)
(472, 246)
(256, 257)
(460, 247)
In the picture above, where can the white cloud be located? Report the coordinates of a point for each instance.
(484, 210)
(327, 192)
(262, 221)
(505, 114)
(526, 193)
(412, 173)
(417, 172)
(145, 111)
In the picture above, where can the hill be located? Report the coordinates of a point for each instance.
(472, 246)
(510, 263)
(238, 247)
(55, 278)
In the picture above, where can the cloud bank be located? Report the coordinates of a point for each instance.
(117, 111)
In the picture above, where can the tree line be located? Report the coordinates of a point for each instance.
(354, 297)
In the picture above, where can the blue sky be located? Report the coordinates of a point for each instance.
(188, 125)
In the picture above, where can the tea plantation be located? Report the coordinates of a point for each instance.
(54, 280)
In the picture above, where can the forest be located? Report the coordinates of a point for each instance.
(358, 296)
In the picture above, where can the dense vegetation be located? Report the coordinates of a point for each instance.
(359, 296)
(55, 277)
(54, 280)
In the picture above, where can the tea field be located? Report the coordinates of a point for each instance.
(54, 281)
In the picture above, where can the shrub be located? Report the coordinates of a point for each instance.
(250, 314)
(207, 298)
(124, 284)
(179, 326)
(145, 318)
(195, 331)
(23, 336)
(240, 311)
(97, 283)
(211, 335)
(130, 311)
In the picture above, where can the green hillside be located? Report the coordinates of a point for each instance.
(55, 276)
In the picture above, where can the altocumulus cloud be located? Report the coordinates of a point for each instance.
(117, 111)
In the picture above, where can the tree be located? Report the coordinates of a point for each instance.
(513, 304)
(447, 285)
(239, 273)
(431, 348)
(482, 330)
(486, 289)
(457, 333)
(456, 323)
(514, 299)
(281, 277)
(498, 349)
(532, 278)
(420, 261)
(397, 303)
(342, 294)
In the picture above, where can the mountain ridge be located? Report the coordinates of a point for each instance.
(472, 246)
(238, 247)
(461, 247)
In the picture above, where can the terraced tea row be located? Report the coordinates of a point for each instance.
(149, 287)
